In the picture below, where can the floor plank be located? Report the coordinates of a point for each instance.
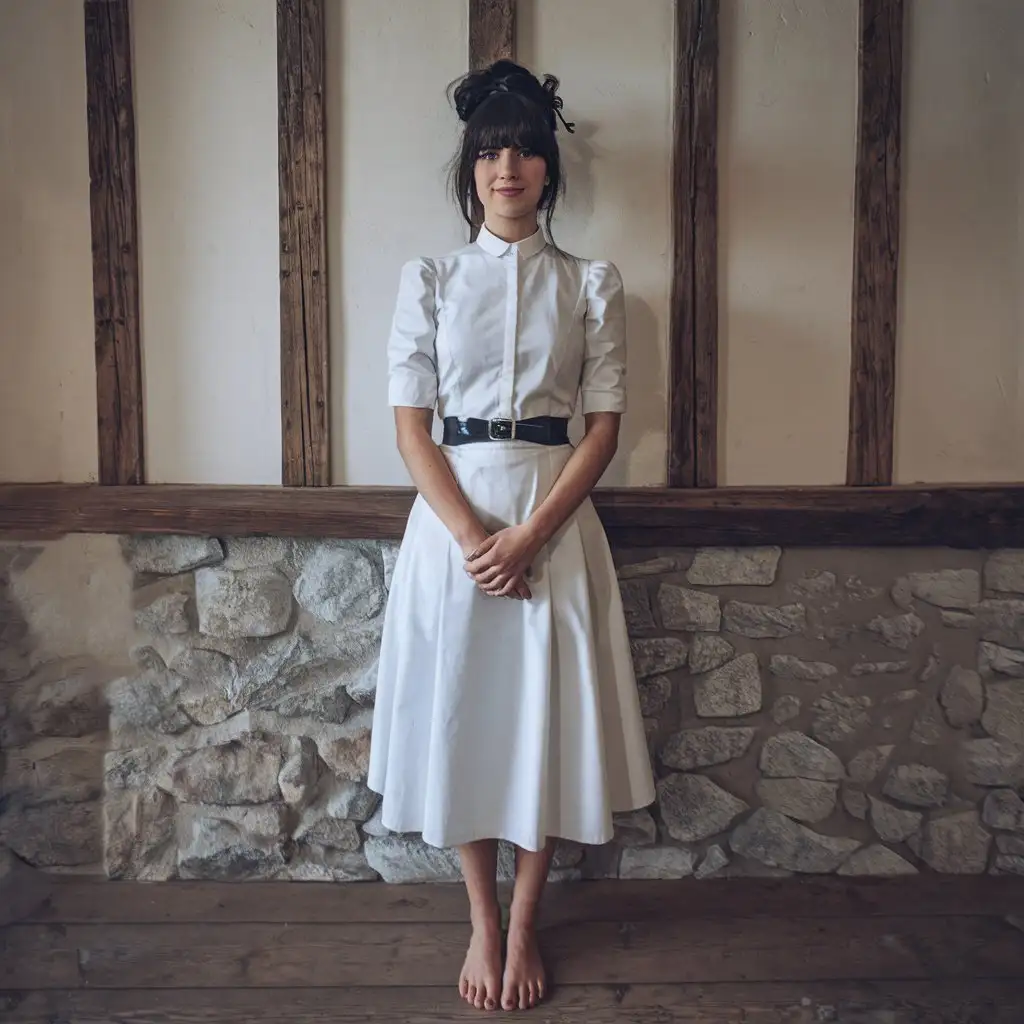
(37, 956)
(643, 952)
(893, 1002)
(87, 901)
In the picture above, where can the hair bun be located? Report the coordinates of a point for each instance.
(505, 76)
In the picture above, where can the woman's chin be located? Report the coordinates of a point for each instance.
(513, 209)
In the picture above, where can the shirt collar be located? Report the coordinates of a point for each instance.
(496, 246)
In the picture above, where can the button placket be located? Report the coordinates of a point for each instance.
(508, 365)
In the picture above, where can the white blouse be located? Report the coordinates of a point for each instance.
(500, 330)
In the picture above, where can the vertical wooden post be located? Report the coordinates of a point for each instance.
(115, 258)
(693, 355)
(876, 244)
(305, 431)
(492, 36)
(492, 32)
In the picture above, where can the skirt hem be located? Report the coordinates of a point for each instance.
(448, 842)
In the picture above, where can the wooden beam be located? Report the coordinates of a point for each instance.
(876, 244)
(693, 355)
(492, 32)
(115, 252)
(305, 427)
(77, 899)
(971, 516)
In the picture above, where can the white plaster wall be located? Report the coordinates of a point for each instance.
(960, 369)
(206, 114)
(390, 133)
(615, 62)
(47, 361)
(207, 131)
(787, 147)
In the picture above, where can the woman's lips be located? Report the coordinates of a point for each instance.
(510, 191)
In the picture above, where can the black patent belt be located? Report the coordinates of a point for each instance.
(551, 430)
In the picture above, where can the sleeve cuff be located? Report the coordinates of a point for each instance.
(603, 401)
(410, 391)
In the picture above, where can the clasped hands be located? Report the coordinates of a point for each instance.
(500, 564)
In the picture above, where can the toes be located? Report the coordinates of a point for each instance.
(463, 988)
(471, 993)
(531, 995)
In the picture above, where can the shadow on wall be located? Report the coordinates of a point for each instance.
(642, 439)
(53, 727)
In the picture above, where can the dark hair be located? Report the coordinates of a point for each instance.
(503, 106)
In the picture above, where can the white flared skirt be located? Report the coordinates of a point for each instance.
(505, 719)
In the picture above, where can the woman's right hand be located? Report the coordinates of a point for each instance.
(519, 590)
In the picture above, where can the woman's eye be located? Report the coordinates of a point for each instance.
(526, 153)
(487, 154)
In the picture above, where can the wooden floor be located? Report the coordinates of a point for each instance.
(929, 951)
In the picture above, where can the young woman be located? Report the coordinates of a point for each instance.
(506, 705)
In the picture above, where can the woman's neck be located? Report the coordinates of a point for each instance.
(511, 230)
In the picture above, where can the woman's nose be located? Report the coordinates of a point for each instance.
(508, 164)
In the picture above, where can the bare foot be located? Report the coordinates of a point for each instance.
(524, 972)
(480, 981)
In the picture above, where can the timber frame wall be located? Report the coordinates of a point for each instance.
(691, 510)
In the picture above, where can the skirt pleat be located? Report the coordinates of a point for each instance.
(505, 719)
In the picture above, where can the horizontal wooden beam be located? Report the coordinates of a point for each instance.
(972, 516)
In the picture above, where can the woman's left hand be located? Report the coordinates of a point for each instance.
(503, 558)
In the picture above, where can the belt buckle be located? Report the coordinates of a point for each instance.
(501, 429)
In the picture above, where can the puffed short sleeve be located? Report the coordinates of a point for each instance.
(603, 382)
(412, 359)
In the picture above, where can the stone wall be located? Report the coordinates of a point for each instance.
(852, 711)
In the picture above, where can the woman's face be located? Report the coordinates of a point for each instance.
(510, 183)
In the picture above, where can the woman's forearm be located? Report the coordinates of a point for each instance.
(579, 476)
(433, 478)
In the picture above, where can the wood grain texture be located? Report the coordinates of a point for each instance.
(690, 951)
(98, 901)
(492, 32)
(975, 1001)
(115, 250)
(869, 457)
(693, 354)
(305, 428)
(732, 951)
(970, 516)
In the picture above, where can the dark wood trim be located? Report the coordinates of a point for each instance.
(693, 345)
(62, 899)
(876, 244)
(492, 36)
(305, 381)
(492, 32)
(965, 516)
(115, 243)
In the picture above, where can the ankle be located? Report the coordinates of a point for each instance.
(523, 918)
(487, 918)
